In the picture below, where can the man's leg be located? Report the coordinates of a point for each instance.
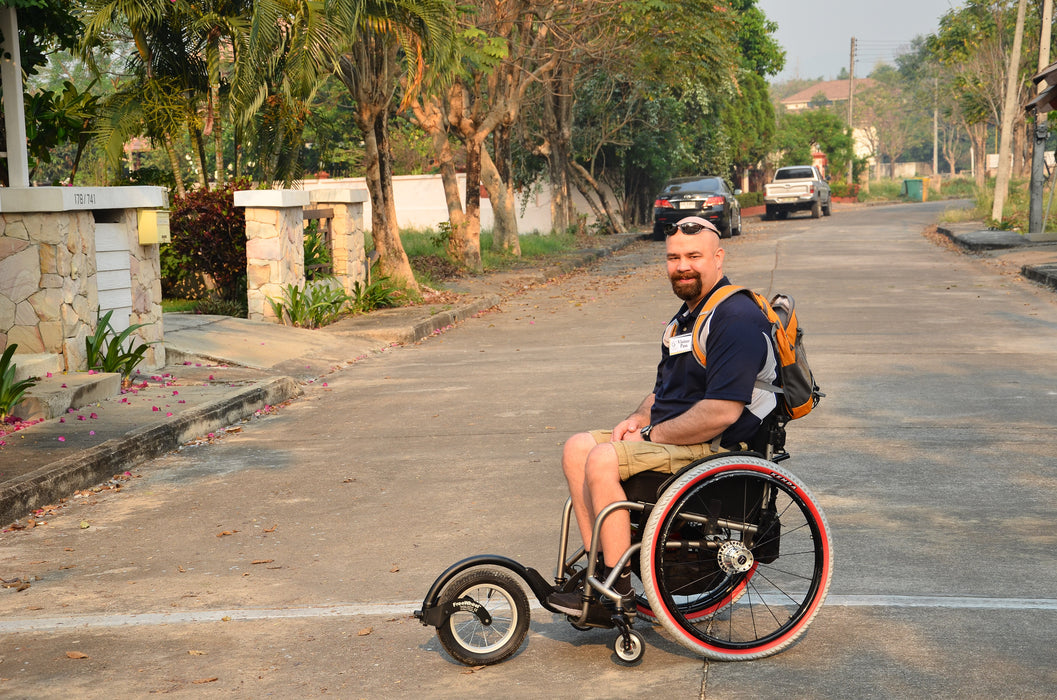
(602, 476)
(574, 461)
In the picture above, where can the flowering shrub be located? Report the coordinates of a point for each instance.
(209, 232)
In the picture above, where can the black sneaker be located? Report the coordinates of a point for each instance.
(569, 602)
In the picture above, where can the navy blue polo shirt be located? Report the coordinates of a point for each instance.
(738, 352)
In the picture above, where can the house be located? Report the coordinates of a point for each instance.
(835, 91)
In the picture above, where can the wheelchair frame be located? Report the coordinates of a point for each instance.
(696, 554)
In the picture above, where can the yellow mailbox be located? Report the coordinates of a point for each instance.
(153, 226)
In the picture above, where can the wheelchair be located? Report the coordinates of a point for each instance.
(732, 554)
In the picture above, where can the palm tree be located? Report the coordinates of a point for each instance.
(390, 46)
(169, 76)
(289, 51)
(378, 48)
(221, 24)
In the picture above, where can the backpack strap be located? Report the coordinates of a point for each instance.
(717, 297)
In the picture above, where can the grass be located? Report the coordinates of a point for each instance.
(178, 305)
(429, 258)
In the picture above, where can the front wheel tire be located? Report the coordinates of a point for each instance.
(470, 640)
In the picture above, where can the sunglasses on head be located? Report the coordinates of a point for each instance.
(690, 229)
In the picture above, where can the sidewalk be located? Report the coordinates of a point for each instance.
(1037, 261)
(220, 371)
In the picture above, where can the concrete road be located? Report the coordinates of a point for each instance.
(284, 558)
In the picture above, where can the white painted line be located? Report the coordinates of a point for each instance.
(403, 609)
(177, 618)
(952, 602)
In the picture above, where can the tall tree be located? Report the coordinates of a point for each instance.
(388, 48)
(500, 42)
(887, 108)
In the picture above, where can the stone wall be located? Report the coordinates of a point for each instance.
(48, 283)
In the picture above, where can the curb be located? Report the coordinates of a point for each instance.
(86, 468)
(1045, 274)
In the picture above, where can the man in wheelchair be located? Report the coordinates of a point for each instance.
(695, 408)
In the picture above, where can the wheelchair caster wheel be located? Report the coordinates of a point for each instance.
(629, 649)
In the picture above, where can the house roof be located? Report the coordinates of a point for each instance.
(834, 90)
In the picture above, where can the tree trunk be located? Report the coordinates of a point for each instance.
(218, 135)
(588, 186)
(174, 163)
(199, 150)
(557, 108)
(1009, 110)
(427, 115)
(504, 215)
(978, 136)
(392, 258)
(464, 246)
(366, 71)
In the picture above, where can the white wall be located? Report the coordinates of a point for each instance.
(420, 202)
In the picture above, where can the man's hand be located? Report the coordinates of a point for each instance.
(628, 430)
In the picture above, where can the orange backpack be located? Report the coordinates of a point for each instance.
(799, 393)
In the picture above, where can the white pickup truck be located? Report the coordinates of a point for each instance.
(797, 188)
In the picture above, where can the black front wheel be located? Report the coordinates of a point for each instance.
(492, 619)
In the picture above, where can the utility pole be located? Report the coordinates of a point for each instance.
(1036, 223)
(851, 99)
(936, 132)
(1005, 145)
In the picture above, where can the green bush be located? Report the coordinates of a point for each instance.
(750, 199)
(11, 392)
(209, 233)
(179, 280)
(107, 350)
(845, 189)
(381, 293)
(311, 306)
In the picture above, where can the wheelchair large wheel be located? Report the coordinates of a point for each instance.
(468, 638)
(736, 559)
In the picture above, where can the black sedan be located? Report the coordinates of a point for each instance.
(709, 197)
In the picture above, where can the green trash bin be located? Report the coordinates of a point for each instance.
(914, 189)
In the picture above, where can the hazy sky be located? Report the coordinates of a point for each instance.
(816, 34)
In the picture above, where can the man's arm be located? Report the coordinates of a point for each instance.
(701, 423)
(628, 429)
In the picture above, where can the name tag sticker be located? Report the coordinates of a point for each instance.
(680, 344)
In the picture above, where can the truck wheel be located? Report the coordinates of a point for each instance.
(816, 210)
(828, 209)
(770, 214)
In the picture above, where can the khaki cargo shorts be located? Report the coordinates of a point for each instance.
(634, 457)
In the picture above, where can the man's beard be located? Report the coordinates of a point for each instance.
(686, 292)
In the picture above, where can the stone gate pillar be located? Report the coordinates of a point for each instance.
(275, 246)
(347, 245)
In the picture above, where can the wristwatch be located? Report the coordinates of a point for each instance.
(645, 432)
